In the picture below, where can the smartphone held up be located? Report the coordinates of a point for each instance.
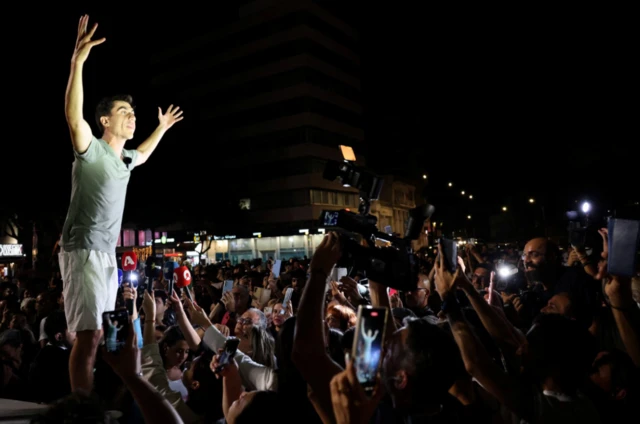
(367, 345)
(449, 251)
(230, 348)
(287, 299)
(116, 328)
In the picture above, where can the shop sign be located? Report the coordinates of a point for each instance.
(10, 250)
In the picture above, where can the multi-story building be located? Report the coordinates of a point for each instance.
(397, 198)
(277, 90)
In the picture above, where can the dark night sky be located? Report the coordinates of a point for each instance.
(505, 110)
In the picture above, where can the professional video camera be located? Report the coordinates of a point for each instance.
(395, 265)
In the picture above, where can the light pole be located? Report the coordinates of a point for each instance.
(586, 208)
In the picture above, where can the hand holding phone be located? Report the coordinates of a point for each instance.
(623, 240)
(287, 299)
(228, 286)
(126, 361)
(115, 325)
(367, 345)
(226, 355)
(449, 250)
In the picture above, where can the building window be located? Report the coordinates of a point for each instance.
(410, 195)
(348, 199)
(142, 240)
(319, 197)
(148, 238)
(399, 196)
(333, 198)
(156, 235)
(128, 238)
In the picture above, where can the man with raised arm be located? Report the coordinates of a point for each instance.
(100, 175)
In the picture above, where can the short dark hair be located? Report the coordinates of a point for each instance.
(434, 357)
(161, 294)
(561, 347)
(106, 104)
(200, 399)
(171, 336)
(488, 266)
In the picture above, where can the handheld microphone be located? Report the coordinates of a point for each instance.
(182, 276)
(129, 263)
(168, 270)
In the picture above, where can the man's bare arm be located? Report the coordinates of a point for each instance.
(149, 145)
(78, 127)
(499, 327)
(309, 354)
(479, 365)
(74, 96)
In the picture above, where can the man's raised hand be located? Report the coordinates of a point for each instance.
(84, 42)
(170, 117)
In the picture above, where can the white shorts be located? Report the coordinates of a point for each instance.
(90, 287)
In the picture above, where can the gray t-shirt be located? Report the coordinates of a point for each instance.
(98, 189)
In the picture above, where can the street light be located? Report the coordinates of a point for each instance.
(532, 200)
(468, 216)
(462, 192)
(471, 196)
(586, 208)
(424, 176)
(504, 208)
(450, 184)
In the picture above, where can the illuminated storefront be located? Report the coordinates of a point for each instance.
(213, 248)
(10, 255)
(278, 247)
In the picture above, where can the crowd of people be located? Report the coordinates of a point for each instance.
(555, 341)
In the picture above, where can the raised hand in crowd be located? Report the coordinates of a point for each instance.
(130, 293)
(351, 404)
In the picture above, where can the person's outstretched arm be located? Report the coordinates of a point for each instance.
(74, 97)
(126, 363)
(309, 354)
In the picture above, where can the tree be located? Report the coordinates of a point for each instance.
(9, 228)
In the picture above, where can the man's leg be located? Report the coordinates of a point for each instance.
(86, 283)
(82, 360)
